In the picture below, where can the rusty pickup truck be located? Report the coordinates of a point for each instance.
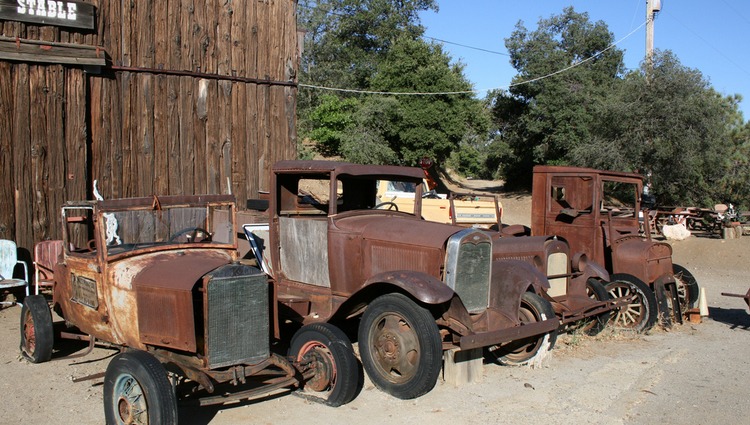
(410, 288)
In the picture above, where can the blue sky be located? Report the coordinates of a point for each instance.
(711, 36)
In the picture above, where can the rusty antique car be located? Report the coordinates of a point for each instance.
(159, 279)
(599, 214)
(576, 289)
(412, 288)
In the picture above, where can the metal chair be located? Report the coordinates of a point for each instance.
(46, 254)
(8, 262)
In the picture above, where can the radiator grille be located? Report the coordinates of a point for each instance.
(238, 318)
(469, 264)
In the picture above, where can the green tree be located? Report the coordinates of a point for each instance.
(540, 120)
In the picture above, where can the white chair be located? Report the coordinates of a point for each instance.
(8, 262)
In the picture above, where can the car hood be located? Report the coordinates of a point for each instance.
(394, 227)
(178, 269)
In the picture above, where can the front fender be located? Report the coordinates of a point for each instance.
(421, 286)
(510, 279)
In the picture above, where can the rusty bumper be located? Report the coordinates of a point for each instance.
(522, 331)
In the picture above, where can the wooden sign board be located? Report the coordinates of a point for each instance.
(61, 13)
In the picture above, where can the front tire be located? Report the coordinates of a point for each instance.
(327, 350)
(400, 346)
(529, 350)
(640, 315)
(137, 391)
(37, 337)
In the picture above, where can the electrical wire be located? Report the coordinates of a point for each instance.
(466, 46)
(385, 93)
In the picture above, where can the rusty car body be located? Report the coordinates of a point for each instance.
(412, 287)
(599, 214)
(158, 278)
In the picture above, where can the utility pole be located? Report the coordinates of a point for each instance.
(652, 6)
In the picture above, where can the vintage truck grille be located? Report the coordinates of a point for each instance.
(237, 320)
(557, 264)
(468, 267)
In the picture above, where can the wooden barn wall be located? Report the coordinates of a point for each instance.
(178, 110)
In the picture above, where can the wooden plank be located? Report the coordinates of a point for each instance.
(188, 61)
(239, 144)
(210, 37)
(264, 135)
(212, 150)
(174, 173)
(463, 366)
(48, 53)
(238, 41)
(144, 141)
(264, 40)
(223, 52)
(76, 152)
(225, 116)
(161, 41)
(252, 150)
(129, 104)
(251, 37)
(174, 34)
(21, 154)
(160, 142)
(113, 99)
(187, 131)
(199, 38)
(127, 17)
(7, 198)
(145, 33)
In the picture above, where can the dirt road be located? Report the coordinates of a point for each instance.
(691, 374)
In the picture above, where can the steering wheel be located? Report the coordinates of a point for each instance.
(389, 204)
(191, 234)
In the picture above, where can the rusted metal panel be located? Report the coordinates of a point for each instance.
(304, 250)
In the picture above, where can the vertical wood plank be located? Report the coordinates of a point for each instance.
(174, 172)
(188, 61)
(239, 144)
(144, 142)
(174, 34)
(7, 130)
(211, 161)
(187, 132)
(76, 148)
(225, 117)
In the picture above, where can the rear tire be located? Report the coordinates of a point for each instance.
(137, 390)
(400, 346)
(597, 291)
(37, 337)
(528, 350)
(327, 350)
(687, 287)
(641, 314)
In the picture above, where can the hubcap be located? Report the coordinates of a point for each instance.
(130, 401)
(396, 348)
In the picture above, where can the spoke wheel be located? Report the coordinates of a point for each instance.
(37, 336)
(137, 391)
(400, 346)
(596, 291)
(640, 313)
(687, 287)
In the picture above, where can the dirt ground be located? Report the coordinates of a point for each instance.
(690, 374)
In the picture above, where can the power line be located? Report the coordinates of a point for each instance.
(577, 64)
(466, 46)
(729, 59)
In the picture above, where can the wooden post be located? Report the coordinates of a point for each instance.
(463, 366)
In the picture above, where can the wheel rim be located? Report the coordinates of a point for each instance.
(29, 334)
(318, 357)
(632, 314)
(395, 347)
(130, 401)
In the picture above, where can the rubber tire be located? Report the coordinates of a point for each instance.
(150, 377)
(521, 352)
(422, 331)
(646, 298)
(596, 324)
(329, 341)
(35, 309)
(681, 274)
